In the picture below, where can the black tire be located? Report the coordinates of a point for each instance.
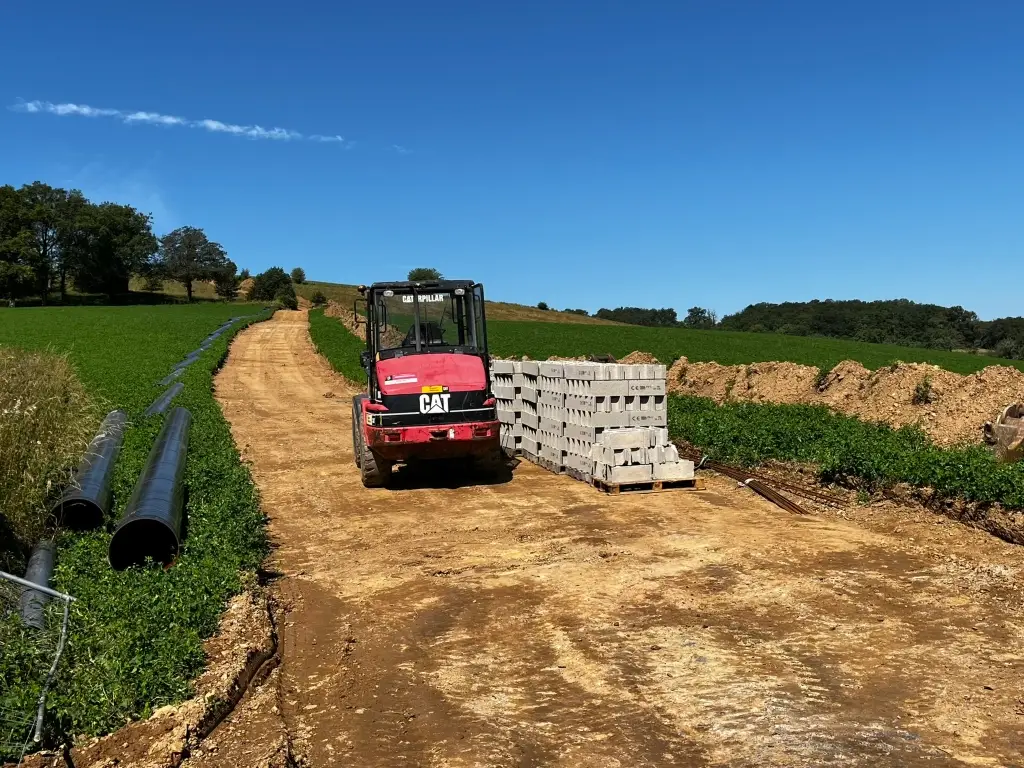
(375, 471)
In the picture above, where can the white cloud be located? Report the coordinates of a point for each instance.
(156, 118)
(400, 149)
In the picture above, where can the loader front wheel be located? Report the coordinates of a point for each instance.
(375, 471)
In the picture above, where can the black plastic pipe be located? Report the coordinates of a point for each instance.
(40, 569)
(171, 377)
(86, 502)
(151, 526)
(160, 404)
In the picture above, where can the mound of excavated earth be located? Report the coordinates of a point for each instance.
(956, 406)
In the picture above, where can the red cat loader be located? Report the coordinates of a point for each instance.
(428, 394)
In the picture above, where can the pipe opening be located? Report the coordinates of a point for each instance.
(140, 538)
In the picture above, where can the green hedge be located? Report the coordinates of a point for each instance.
(334, 341)
(870, 456)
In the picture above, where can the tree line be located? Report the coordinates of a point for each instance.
(53, 240)
(896, 321)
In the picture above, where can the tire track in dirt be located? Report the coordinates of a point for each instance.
(539, 622)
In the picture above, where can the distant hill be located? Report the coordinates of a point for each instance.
(496, 310)
(897, 321)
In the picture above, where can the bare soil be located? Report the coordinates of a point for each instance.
(954, 411)
(539, 622)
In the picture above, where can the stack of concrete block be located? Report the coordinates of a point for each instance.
(507, 384)
(603, 421)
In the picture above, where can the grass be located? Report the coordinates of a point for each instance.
(46, 422)
(864, 455)
(136, 638)
(542, 340)
(496, 310)
(341, 348)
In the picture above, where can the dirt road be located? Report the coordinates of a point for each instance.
(539, 622)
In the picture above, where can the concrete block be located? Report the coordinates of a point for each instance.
(676, 470)
(637, 473)
(580, 371)
(502, 366)
(646, 418)
(586, 434)
(504, 393)
(556, 399)
(550, 426)
(528, 394)
(629, 437)
(517, 379)
(530, 444)
(530, 368)
(645, 387)
(613, 419)
(551, 370)
(611, 387)
(529, 419)
(581, 402)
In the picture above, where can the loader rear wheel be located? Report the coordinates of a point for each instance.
(375, 470)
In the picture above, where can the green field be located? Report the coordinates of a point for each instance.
(844, 449)
(136, 639)
(542, 340)
(341, 349)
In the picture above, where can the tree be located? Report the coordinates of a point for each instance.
(665, 317)
(243, 275)
(698, 317)
(187, 255)
(226, 282)
(318, 299)
(16, 276)
(298, 275)
(113, 242)
(542, 305)
(267, 285)
(578, 312)
(424, 274)
(44, 208)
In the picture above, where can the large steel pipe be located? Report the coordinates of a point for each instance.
(40, 569)
(151, 526)
(86, 502)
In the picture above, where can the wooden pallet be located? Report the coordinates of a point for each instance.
(651, 486)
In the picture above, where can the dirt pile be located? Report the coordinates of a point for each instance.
(245, 286)
(950, 407)
(391, 336)
(640, 358)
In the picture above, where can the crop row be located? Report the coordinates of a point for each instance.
(844, 449)
(136, 636)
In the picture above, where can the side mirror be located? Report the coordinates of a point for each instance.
(358, 318)
(365, 359)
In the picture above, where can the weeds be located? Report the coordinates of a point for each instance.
(821, 377)
(922, 392)
(46, 422)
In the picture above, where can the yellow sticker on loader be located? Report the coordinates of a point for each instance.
(432, 389)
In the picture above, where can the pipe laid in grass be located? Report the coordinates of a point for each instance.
(152, 522)
(87, 502)
(33, 601)
(160, 404)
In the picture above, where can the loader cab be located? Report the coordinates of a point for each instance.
(407, 319)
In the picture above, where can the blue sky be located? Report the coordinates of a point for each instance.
(588, 154)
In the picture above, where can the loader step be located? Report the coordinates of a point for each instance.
(651, 486)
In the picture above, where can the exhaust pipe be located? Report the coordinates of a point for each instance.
(85, 504)
(152, 522)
